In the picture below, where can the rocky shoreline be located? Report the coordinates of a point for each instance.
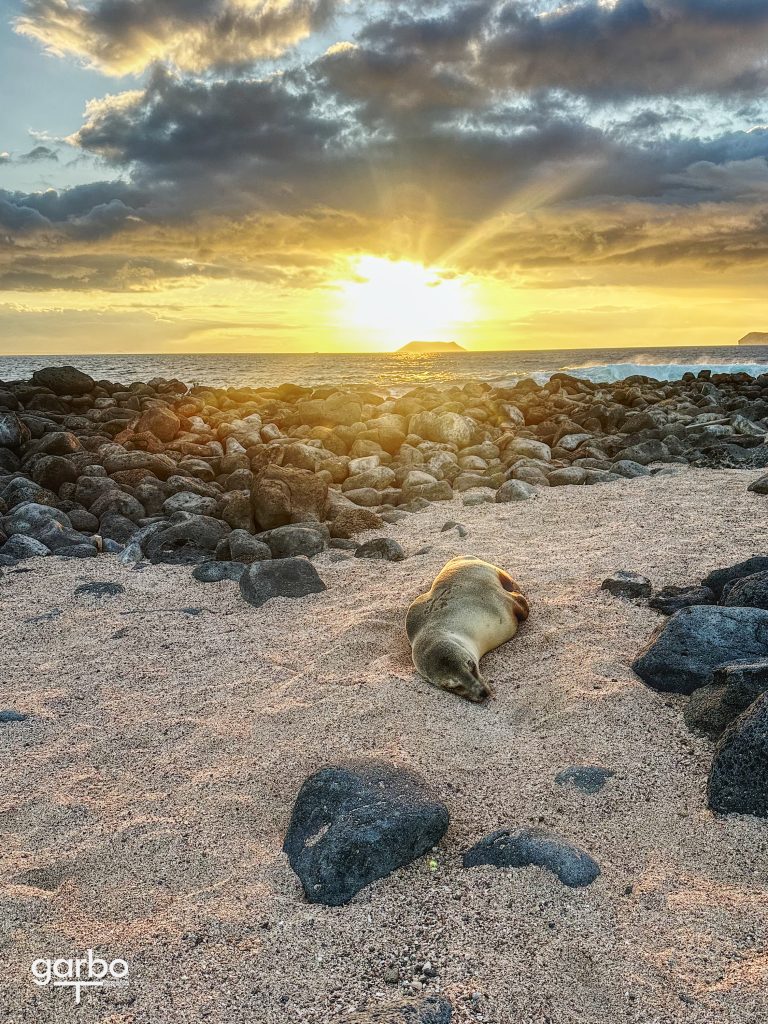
(187, 475)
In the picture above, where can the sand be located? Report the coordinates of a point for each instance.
(144, 803)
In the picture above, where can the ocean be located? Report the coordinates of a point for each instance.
(398, 372)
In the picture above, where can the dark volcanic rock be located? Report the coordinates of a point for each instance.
(586, 777)
(381, 547)
(748, 592)
(99, 590)
(526, 846)
(51, 471)
(719, 579)
(713, 707)
(432, 1010)
(280, 577)
(9, 715)
(738, 780)
(290, 541)
(627, 585)
(672, 599)
(186, 542)
(21, 546)
(682, 653)
(214, 572)
(13, 433)
(282, 495)
(354, 823)
(63, 380)
(760, 486)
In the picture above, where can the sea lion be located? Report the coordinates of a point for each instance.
(471, 608)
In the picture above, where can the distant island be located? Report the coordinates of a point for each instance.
(432, 346)
(755, 338)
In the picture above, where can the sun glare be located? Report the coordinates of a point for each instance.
(397, 302)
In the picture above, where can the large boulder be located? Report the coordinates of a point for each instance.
(671, 599)
(281, 495)
(354, 823)
(63, 380)
(355, 520)
(160, 421)
(290, 541)
(51, 471)
(719, 579)
(738, 779)
(280, 577)
(748, 592)
(682, 653)
(13, 433)
(187, 541)
(444, 427)
(526, 846)
(515, 490)
(713, 707)
(422, 485)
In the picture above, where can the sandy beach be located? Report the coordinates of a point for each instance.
(146, 797)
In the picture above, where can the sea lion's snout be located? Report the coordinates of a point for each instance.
(455, 670)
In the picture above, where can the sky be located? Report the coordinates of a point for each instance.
(334, 175)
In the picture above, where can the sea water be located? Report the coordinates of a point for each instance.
(398, 372)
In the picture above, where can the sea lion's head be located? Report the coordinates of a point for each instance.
(453, 668)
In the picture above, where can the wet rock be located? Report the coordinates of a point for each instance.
(381, 547)
(515, 490)
(738, 779)
(672, 599)
(283, 577)
(713, 707)
(214, 572)
(588, 778)
(748, 592)
(355, 823)
(534, 846)
(627, 585)
(63, 380)
(682, 653)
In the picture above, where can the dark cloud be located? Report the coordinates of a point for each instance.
(492, 135)
(37, 154)
(630, 47)
(122, 36)
(83, 211)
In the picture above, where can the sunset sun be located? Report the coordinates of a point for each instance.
(398, 301)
